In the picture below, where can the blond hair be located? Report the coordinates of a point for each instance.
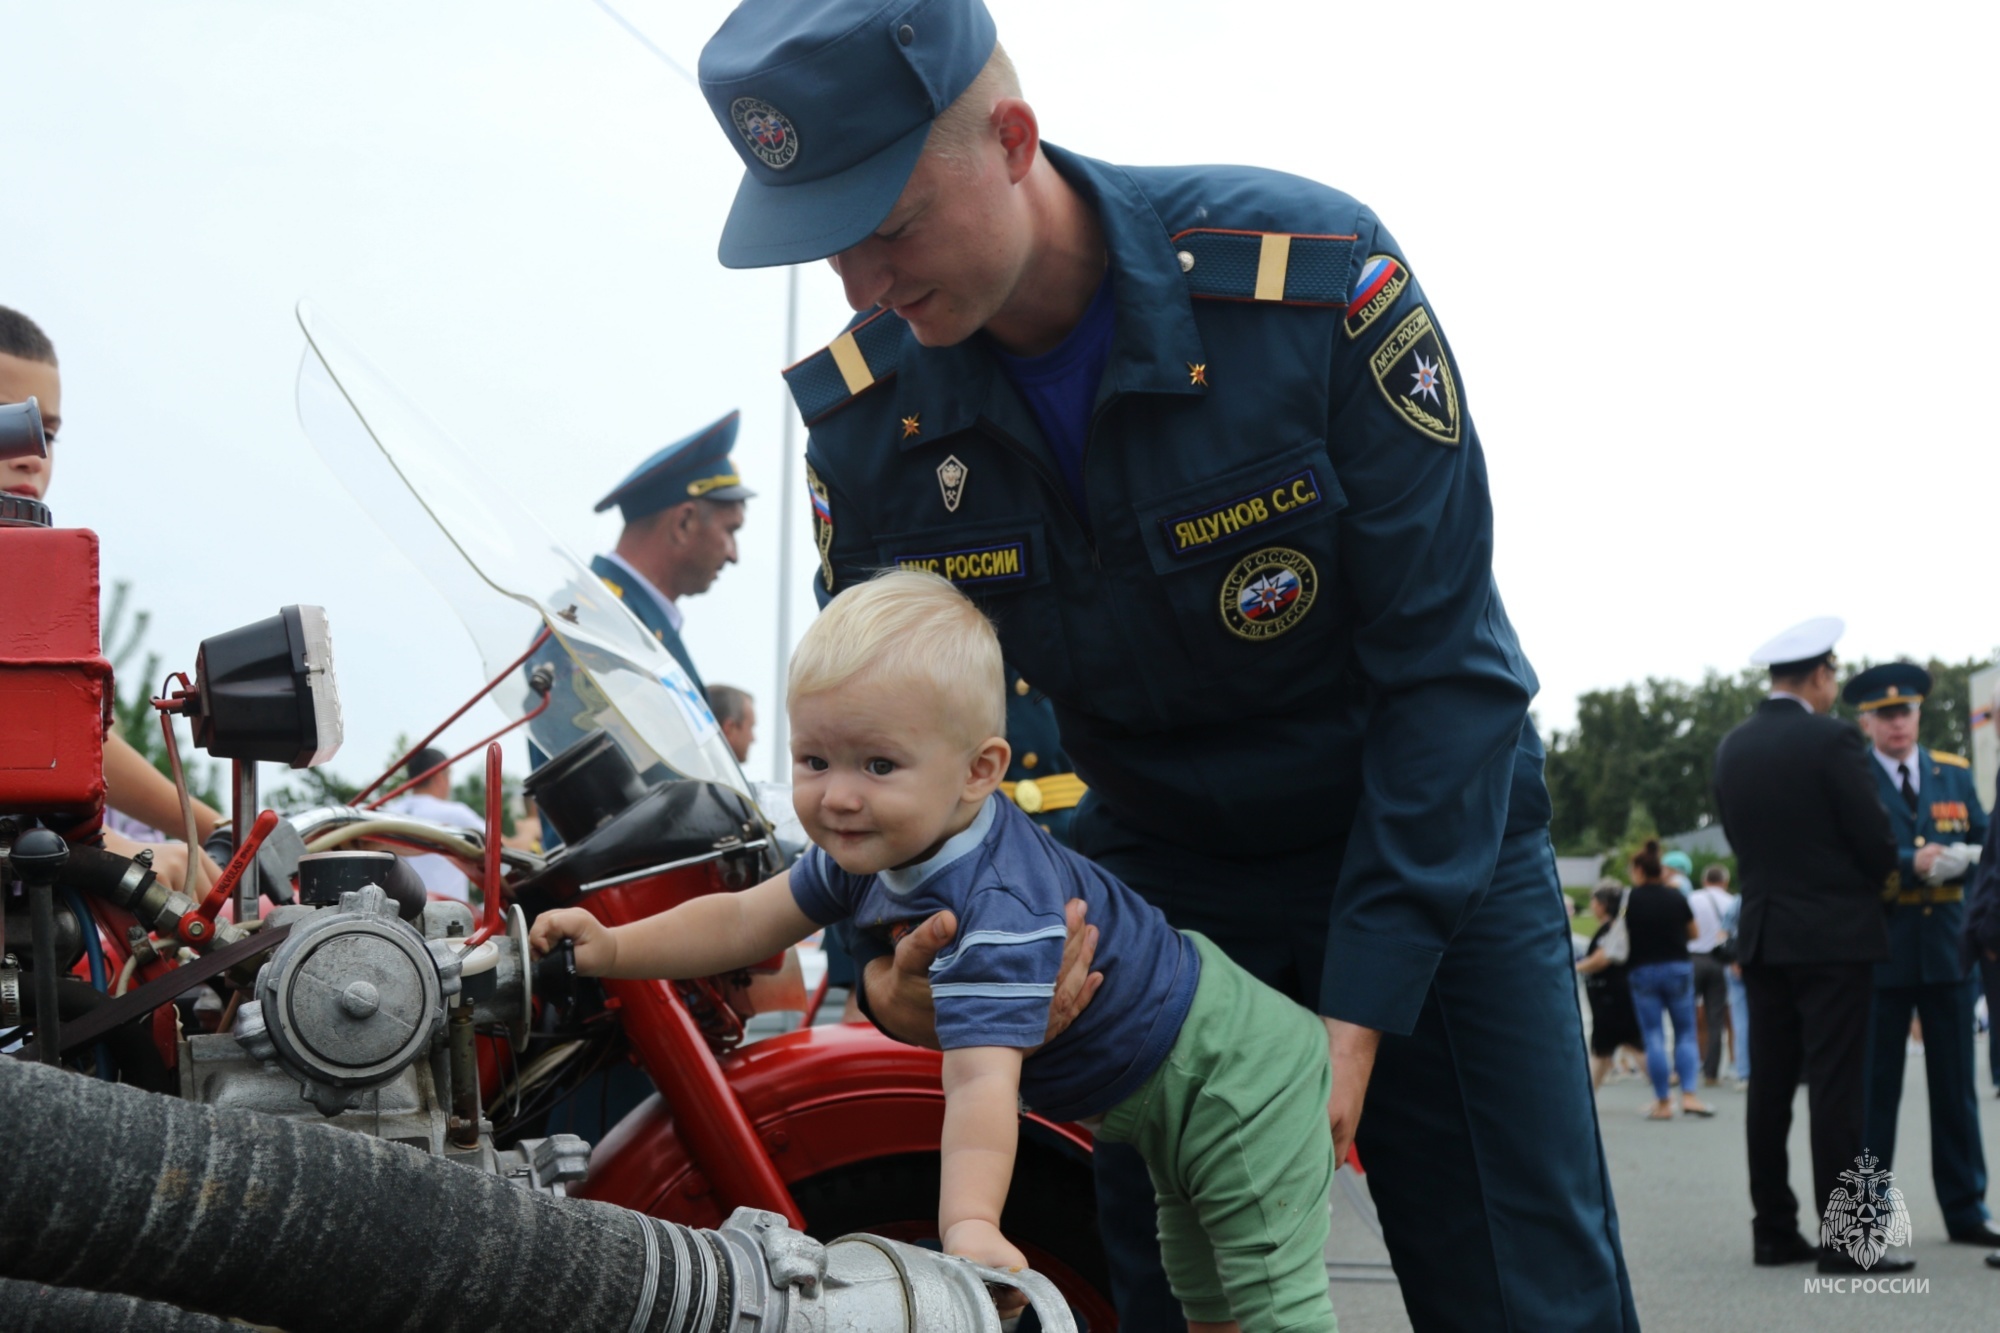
(909, 625)
(957, 131)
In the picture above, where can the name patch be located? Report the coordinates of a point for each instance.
(973, 566)
(1200, 528)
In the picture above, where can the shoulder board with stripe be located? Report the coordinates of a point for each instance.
(1955, 760)
(1267, 266)
(851, 364)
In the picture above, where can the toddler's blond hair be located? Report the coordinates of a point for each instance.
(907, 624)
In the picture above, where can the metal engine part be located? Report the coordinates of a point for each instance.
(349, 1026)
(351, 1000)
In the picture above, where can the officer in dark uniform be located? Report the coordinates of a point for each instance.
(1194, 439)
(1813, 844)
(1040, 778)
(1936, 816)
(682, 508)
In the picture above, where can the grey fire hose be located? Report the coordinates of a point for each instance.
(31, 1307)
(308, 1227)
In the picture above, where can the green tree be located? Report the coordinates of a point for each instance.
(134, 716)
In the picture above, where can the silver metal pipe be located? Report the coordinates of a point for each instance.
(243, 804)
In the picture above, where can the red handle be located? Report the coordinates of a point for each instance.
(198, 926)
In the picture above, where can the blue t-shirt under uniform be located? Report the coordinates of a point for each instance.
(1008, 882)
(1060, 387)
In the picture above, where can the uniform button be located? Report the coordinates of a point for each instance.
(906, 34)
(1021, 687)
(1187, 260)
(1030, 759)
(1927, 911)
(1920, 840)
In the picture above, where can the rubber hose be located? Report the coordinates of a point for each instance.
(273, 1221)
(30, 1307)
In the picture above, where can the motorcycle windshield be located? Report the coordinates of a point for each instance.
(506, 575)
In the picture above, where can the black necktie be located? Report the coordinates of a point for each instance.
(1909, 792)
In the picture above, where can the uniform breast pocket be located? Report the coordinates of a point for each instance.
(1004, 567)
(1247, 563)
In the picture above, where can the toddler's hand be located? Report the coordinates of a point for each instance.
(596, 946)
(982, 1243)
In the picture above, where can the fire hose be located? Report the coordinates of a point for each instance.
(308, 1227)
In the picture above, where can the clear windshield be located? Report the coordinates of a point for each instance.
(505, 574)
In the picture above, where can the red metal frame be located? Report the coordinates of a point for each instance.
(677, 1058)
(463, 708)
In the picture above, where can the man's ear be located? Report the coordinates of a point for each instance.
(1020, 136)
(988, 767)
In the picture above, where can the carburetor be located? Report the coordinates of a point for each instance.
(357, 1015)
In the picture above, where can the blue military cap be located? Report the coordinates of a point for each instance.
(828, 103)
(1891, 685)
(695, 468)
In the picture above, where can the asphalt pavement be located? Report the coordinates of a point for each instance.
(1683, 1198)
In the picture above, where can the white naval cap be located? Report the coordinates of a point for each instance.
(1809, 639)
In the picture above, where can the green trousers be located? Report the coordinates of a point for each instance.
(1233, 1126)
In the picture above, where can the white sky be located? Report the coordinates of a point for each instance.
(1718, 276)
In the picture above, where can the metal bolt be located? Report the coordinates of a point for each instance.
(360, 999)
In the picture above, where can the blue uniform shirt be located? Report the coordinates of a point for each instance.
(1008, 882)
(1925, 923)
(1273, 632)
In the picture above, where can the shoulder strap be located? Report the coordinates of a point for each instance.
(850, 365)
(1269, 266)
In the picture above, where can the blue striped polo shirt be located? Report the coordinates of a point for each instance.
(1007, 882)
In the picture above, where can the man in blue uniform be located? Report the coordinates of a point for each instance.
(682, 508)
(1194, 439)
(1939, 828)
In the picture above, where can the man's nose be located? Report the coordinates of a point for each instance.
(866, 279)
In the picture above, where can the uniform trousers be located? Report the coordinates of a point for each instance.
(1479, 1135)
(1810, 1018)
(1958, 1163)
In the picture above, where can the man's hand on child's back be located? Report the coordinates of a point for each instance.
(899, 988)
(596, 947)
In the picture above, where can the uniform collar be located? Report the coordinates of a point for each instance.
(1916, 763)
(665, 603)
(1155, 345)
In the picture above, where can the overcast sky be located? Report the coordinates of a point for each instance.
(1719, 278)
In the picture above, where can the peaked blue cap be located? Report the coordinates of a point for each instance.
(828, 103)
(695, 468)
(1891, 685)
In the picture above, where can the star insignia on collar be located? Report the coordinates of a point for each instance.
(911, 426)
(1198, 373)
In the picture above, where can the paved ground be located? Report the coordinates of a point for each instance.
(1683, 1204)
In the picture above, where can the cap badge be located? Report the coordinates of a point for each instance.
(767, 130)
(951, 479)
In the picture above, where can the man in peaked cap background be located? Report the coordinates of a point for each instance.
(1813, 846)
(1194, 439)
(682, 508)
(1939, 828)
